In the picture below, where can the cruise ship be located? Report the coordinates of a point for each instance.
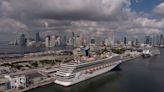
(73, 73)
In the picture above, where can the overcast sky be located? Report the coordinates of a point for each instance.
(131, 17)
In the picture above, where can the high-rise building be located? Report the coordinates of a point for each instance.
(92, 41)
(80, 40)
(77, 41)
(37, 37)
(106, 42)
(47, 41)
(58, 40)
(64, 40)
(112, 38)
(136, 43)
(157, 40)
(22, 40)
(132, 43)
(125, 40)
(148, 40)
(53, 41)
(73, 39)
(69, 41)
(161, 39)
(110, 41)
(153, 40)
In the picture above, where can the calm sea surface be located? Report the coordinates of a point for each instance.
(139, 75)
(6, 49)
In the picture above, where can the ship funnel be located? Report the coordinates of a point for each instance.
(85, 51)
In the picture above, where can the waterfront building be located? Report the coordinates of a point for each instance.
(77, 41)
(157, 40)
(161, 40)
(125, 40)
(35, 77)
(111, 38)
(73, 39)
(69, 42)
(4, 84)
(53, 41)
(118, 42)
(22, 40)
(37, 37)
(17, 81)
(47, 41)
(92, 41)
(111, 41)
(106, 42)
(64, 40)
(130, 43)
(31, 43)
(153, 40)
(4, 69)
(148, 40)
(58, 41)
(136, 42)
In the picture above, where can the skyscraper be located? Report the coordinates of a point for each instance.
(161, 39)
(81, 40)
(78, 41)
(158, 40)
(153, 40)
(37, 37)
(125, 40)
(93, 41)
(63, 40)
(73, 39)
(148, 40)
(53, 41)
(136, 42)
(47, 41)
(22, 40)
(58, 40)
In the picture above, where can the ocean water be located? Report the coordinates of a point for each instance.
(6, 49)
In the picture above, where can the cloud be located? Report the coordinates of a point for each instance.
(159, 9)
(9, 25)
(66, 9)
(138, 1)
(86, 16)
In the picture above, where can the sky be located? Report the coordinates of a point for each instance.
(132, 18)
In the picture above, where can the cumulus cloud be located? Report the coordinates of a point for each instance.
(159, 9)
(85, 16)
(66, 9)
(12, 26)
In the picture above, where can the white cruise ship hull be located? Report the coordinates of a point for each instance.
(82, 76)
